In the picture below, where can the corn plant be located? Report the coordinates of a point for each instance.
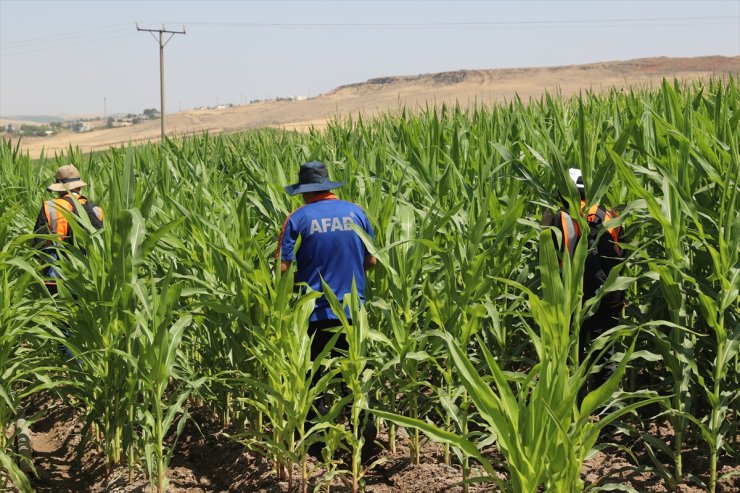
(161, 326)
(358, 373)
(710, 270)
(543, 432)
(289, 384)
(22, 365)
(454, 195)
(403, 260)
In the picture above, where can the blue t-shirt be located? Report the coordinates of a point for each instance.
(329, 247)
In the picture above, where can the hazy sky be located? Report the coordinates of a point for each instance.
(68, 57)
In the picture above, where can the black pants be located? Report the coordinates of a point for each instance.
(319, 329)
(605, 318)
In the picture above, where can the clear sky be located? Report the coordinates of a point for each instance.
(83, 57)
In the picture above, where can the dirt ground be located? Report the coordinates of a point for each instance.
(383, 94)
(206, 461)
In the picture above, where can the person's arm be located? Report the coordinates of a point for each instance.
(286, 243)
(41, 228)
(547, 217)
(370, 262)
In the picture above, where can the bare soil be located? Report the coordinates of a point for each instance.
(206, 461)
(466, 87)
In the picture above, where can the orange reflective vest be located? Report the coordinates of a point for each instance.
(571, 231)
(56, 219)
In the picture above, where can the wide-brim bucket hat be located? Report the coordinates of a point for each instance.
(313, 177)
(67, 178)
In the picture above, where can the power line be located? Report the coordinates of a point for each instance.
(67, 36)
(117, 28)
(64, 40)
(487, 1)
(464, 24)
(66, 45)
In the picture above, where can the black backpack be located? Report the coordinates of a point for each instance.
(605, 252)
(95, 221)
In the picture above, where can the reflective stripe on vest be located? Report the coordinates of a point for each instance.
(51, 216)
(570, 232)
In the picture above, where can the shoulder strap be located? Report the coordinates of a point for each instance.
(615, 232)
(596, 212)
(51, 216)
(597, 216)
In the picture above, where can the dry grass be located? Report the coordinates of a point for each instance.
(381, 94)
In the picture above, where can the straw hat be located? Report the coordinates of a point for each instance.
(66, 179)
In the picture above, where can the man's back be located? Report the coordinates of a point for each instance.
(329, 247)
(53, 215)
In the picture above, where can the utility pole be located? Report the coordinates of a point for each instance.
(162, 43)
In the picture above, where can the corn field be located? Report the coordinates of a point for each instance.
(470, 330)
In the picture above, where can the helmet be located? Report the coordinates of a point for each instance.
(575, 175)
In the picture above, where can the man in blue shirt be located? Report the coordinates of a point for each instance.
(329, 246)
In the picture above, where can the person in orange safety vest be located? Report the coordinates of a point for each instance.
(605, 252)
(54, 214)
(53, 219)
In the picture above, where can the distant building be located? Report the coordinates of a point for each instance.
(80, 127)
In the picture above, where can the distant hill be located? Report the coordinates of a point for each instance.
(382, 94)
(4, 120)
(643, 67)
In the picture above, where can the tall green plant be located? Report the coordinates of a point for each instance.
(289, 384)
(358, 372)
(165, 383)
(24, 328)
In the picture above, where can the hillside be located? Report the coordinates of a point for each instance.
(389, 93)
